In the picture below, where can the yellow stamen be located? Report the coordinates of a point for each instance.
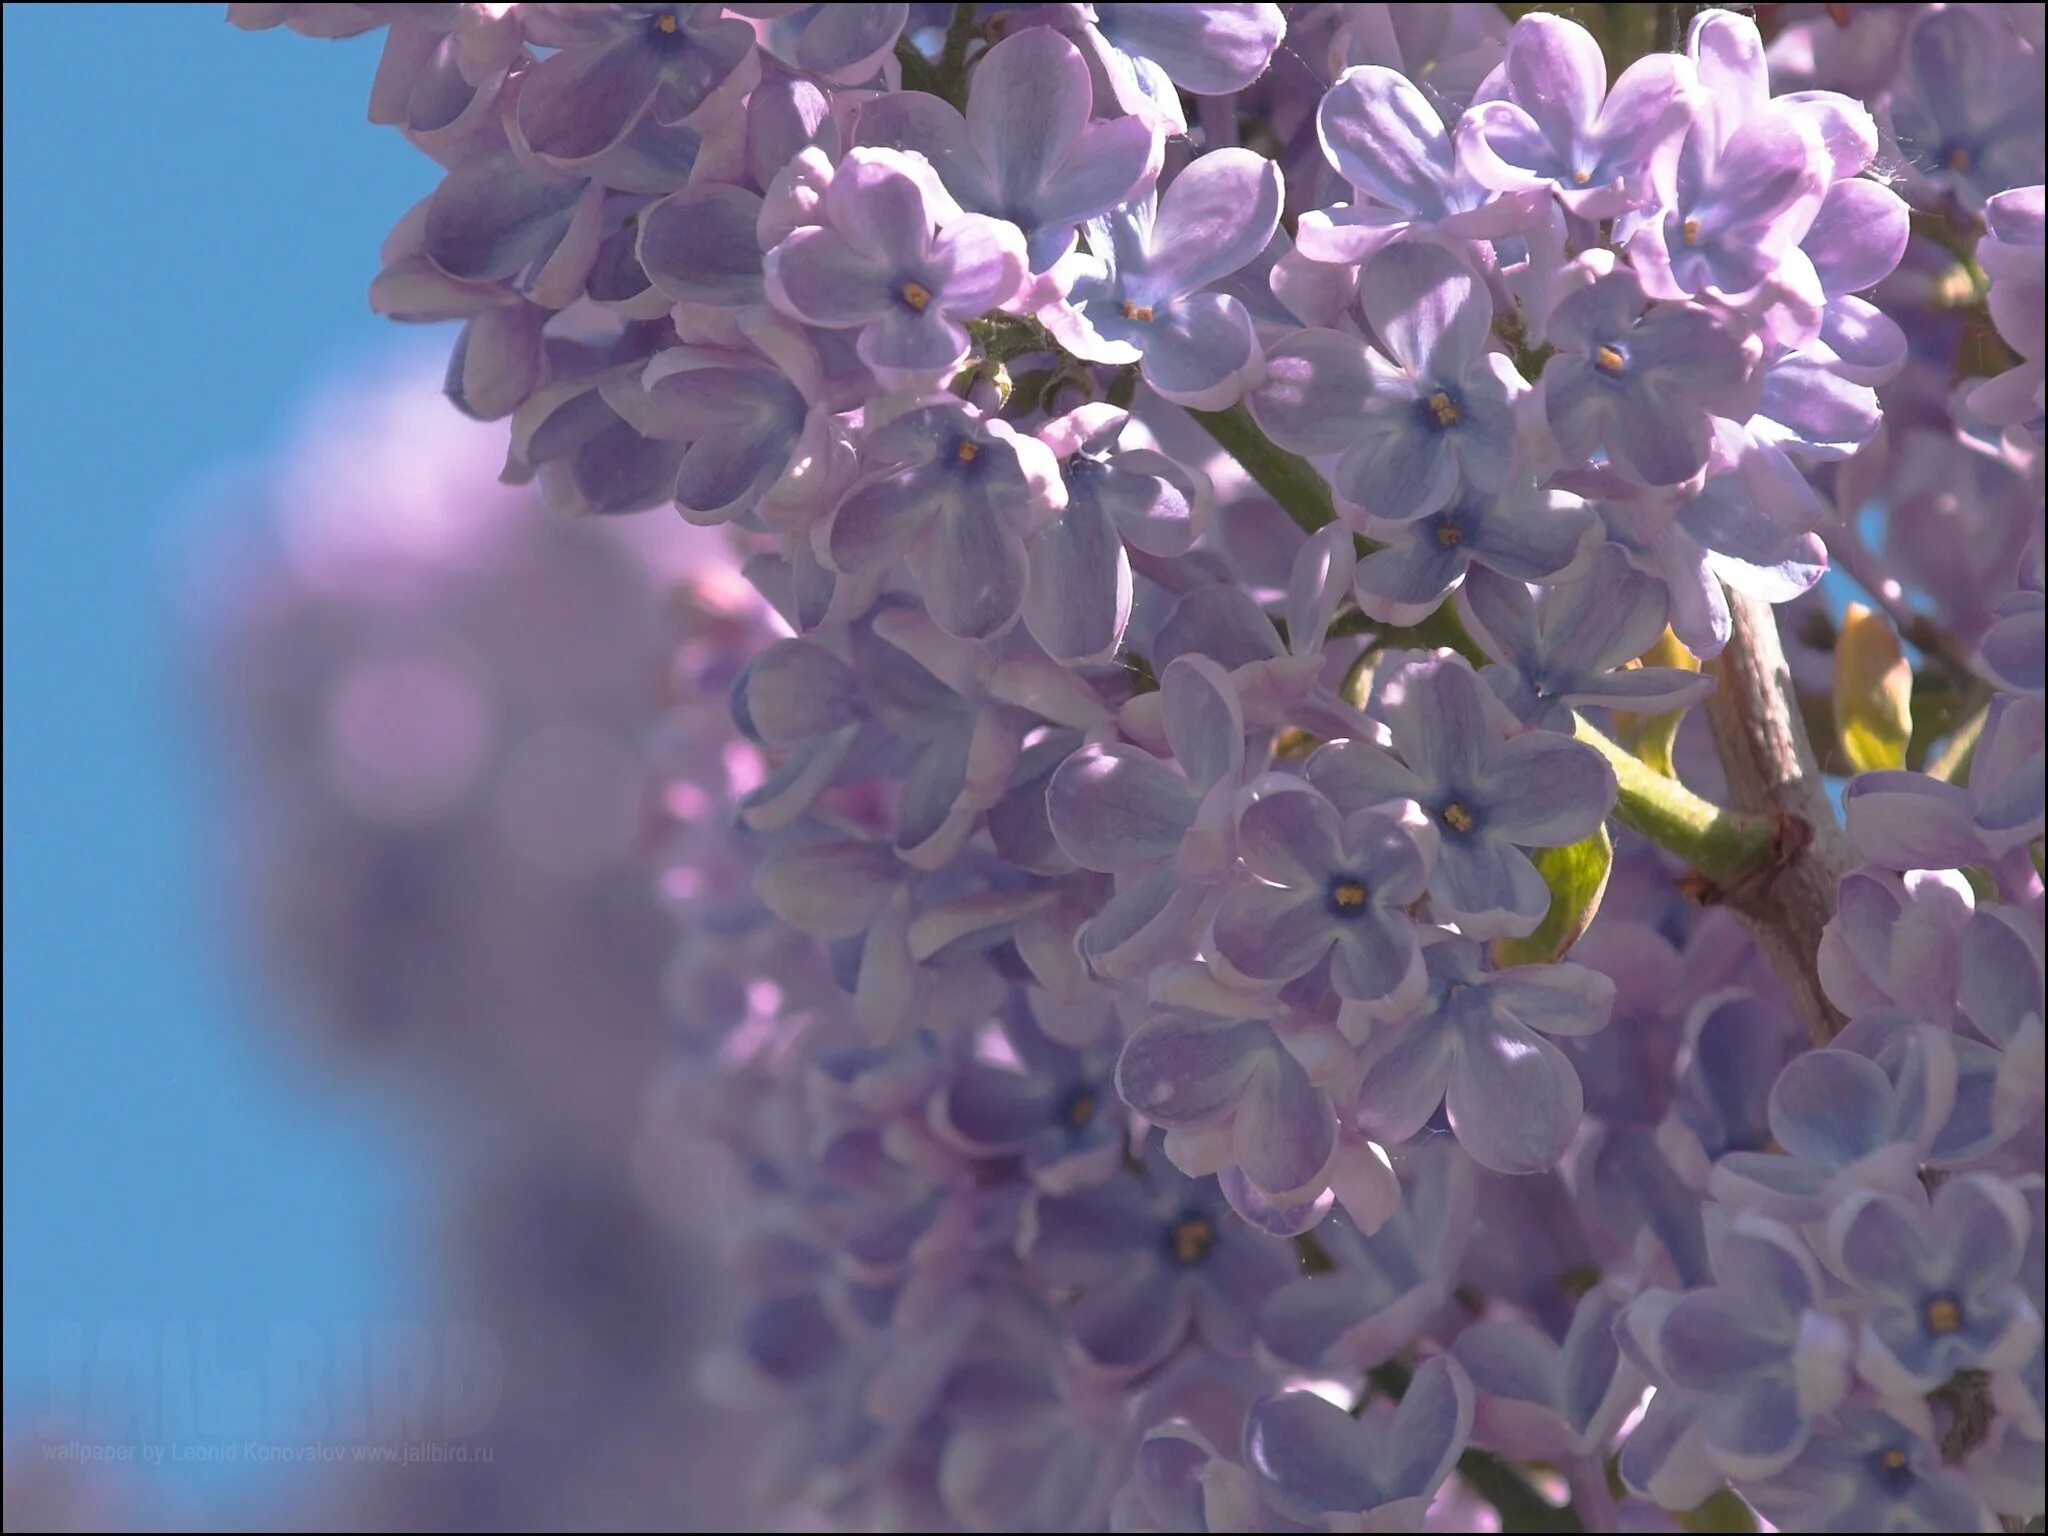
(916, 295)
(1445, 409)
(967, 450)
(1457, 818)
(1081, 1110)
(1191, 1238)
(1136, 311)
(666, 23)
(1958, 159)
(1691, 230)
(1448, 535)
(1943, 1315)
(1893, 1458)
(1349, 893)
(1605, 357)
(1580, 178)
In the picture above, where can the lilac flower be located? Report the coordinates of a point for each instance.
(760, 442)
(1166, 835)
(1542, 1399)
(1192, 1072)
(493, 218)
(1739, 1046)
(1758, 1354)
(1477, 1049)
(897, 259)
(1643, 387)
(1279, 682)
(1434, 413)
(1054, 1108)
(700, 245)
(1545, 118)
(1854, 243)
(1150, 1263)
(839, 42)
(1570, 653)
(1387, 1283)
(1733, 209)
(1892, 942)
(1180, 1483)
(1319, 1464)
(2011, 253)
(1080, 592)
(1866, 1471)
(1487, 794)
(1323, 886)
(1939, 1285)
(1962, 110)
(796, 697)
(2012, 649)
(1140, 294)
(1912, 821)
(1387, 140)
(615, 63)
(1843, 1122)
(1026, 151)
(955, 490)
(1719, 535)
(1526, 532)
(1141, 53)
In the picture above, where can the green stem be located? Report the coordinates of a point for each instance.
(1287, 477)
(953, 56)
(1721, 844)
(918, 74)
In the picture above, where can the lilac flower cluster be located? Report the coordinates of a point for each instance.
(1260, 1003)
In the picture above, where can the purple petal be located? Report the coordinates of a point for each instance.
(977, 264)
(1544, 790)
(1030, 102)
(1203, 721)
(1312, 1456)
(819, 277)
(1430, 1430)
(1316, 387)
(1910, 821)
(1079, 598)
(1290, 836)
(581, 101)
(1199, 350)
(1428, 308)
(1286, 1130)
(1404, 1081)
(1205, 49)
(1513, 1099)
(1831, 1107)
(1216, 217)
(1185, 1071)
(1384, 137)
(699, 246)
(828, 890)
(880, 202)
(1115, 808)
(1269, 934)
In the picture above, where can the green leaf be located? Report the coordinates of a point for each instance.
(1577, 877)
(1873, 692)
(1650, 736)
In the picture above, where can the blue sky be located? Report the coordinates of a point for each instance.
(192, 218)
